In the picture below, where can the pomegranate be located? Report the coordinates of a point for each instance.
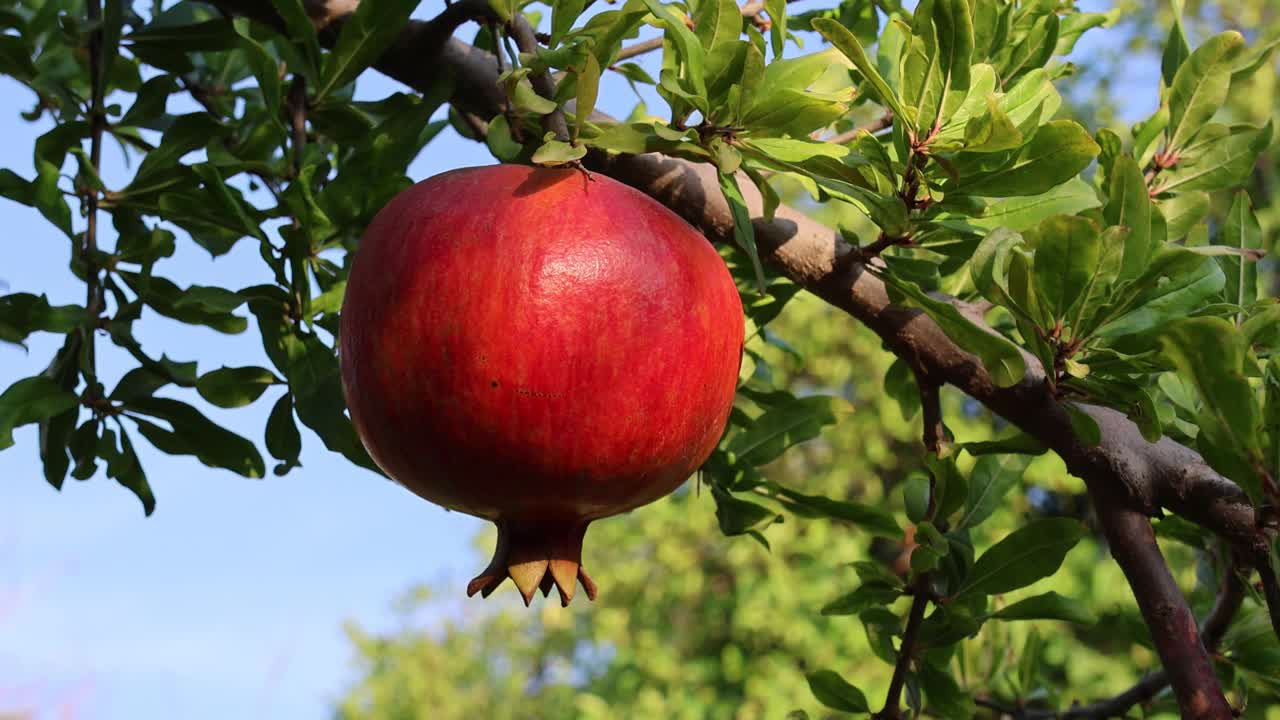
(541, 348)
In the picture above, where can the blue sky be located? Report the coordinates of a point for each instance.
(228, 602)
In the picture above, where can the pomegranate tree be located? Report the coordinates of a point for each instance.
(541, 348)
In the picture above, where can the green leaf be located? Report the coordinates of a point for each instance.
(124, 467)
(15, 58)
(1176, 282)
(1176, 48)
(1058, 151)
(1067, 250)
(992, 478)
(944, 697)
(831, 690)
(845, 41)
(1130, 206)
(1001, 357)
(300, 30)
(786, 425)
(1242, 231)
(282, 437)
(1211, 354)
(1048, 606)
(32, 400)
(991, 132)
(796, 151)
(868, 595)
(556, 152)
(1200, 86)
(737, 516)
(194, 434)
(265, 68)
(687, 45)
(743, 232)
(588, 87)
(1083, 426)
(777, 11)
(954, 26)
(1179, 215)
(1028, 554)
(1220, 157)
(872, 519)
(235, 387)
(365, 34)
(564, 13)
(1021, 213)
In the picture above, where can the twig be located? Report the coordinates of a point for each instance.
(884, 122)
(639, 48)
(934, 434)
(522, 33)
(906, 652)
(298, 120)
(97, 123)
(1271, 592)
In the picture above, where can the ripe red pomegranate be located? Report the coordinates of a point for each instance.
(539, 347)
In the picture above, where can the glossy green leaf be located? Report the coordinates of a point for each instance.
(282, 438)
(32, 400)
(786, 425)
(1130, 206)
(191, 433)
(743, 232)
(1220, 157)
(687, 45)
(1067, 250)
(831, 690)
(777, 11)
(564, 13)
(1243, 231)
(1058, 151)
(365, 35)
(556, 152)
(1200, 86)
(1175, 282)
(1211, 354)
(992, 478)
(1048, 606)
(1028, 554)
(299, 29)
(235, 387)
(845, 41)
(1001, 357)
(1021, 213)
(954, 24)
(868, 595)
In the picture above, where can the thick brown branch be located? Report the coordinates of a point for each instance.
(522, 33)
(1225, 607)
(1173, 628)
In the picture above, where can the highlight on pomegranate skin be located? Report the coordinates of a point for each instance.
(539, 347)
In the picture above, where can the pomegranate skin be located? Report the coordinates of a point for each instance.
(541, 348)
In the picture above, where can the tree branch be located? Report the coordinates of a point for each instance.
(1225, 607)
(934, 434)
(1173, 629)
(639, 48)
(522, 33)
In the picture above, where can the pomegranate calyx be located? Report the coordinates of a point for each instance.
(537, 557)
